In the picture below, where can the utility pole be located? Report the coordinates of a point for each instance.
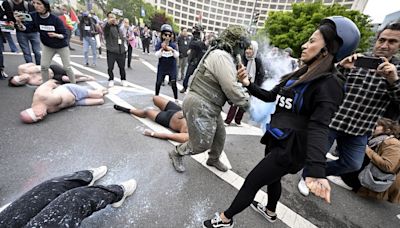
(253, 17)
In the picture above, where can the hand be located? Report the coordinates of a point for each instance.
(320, 187)
(242, 75)
(18, 17)
(388, 71)
(52, 34)
(348, 62)
(148, 132)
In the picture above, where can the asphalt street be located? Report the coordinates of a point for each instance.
(81, 137)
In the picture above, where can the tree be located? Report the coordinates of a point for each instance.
(159, 18)
(292, 29)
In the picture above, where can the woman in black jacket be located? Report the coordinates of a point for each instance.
(298, 133)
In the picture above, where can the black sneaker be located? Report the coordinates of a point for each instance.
(263, 211)
(182, 90)
(217, 222)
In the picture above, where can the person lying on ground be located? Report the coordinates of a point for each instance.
(51, 97)
(170, 116)
(65, 201)
(30, 74)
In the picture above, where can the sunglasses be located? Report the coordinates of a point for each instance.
(167, 35)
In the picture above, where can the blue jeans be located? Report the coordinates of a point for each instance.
(34, 39)
(92, 42)
(351, 153)
(10, 42)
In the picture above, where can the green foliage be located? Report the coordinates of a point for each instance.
(131, 10)
(159, 18)
(292, 29)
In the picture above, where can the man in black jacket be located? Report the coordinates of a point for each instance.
(197, 48)
(116, 48)
(183, 47)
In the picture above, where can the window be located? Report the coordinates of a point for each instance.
(191, 10)
(232, 20)
(178, 7)
(178, 14)
(191, 18)
(206, 8)
(233, 14)
(192, 4)
(171, 4)
(282, 1)
(219, 18)
(221, 5)
(235, 8)
(220, 11)
(184, 9)
(281, 7)
(170, 12)
(250, 4)
(164, 2)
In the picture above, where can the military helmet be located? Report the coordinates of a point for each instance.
(236, 37)
(348, 33)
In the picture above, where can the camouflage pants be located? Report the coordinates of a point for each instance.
(206, 128)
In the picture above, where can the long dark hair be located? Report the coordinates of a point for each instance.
(390, 127)
(323, 62)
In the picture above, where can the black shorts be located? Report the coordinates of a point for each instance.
(165, 116)
(59, 72)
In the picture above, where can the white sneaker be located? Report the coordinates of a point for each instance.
(124, 83)
(338, 181)
(129, 188)
(304, 190)
(111, 83)
(98, 173)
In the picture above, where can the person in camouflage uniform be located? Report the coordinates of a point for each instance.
(213, 84)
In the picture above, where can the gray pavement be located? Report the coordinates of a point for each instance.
(82, 137)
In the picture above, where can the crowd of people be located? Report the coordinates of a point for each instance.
(326, 98)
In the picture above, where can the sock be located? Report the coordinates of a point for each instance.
(123, 109)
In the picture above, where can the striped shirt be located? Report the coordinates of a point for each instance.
(366, 97)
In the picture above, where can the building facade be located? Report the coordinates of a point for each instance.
(216, 15)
